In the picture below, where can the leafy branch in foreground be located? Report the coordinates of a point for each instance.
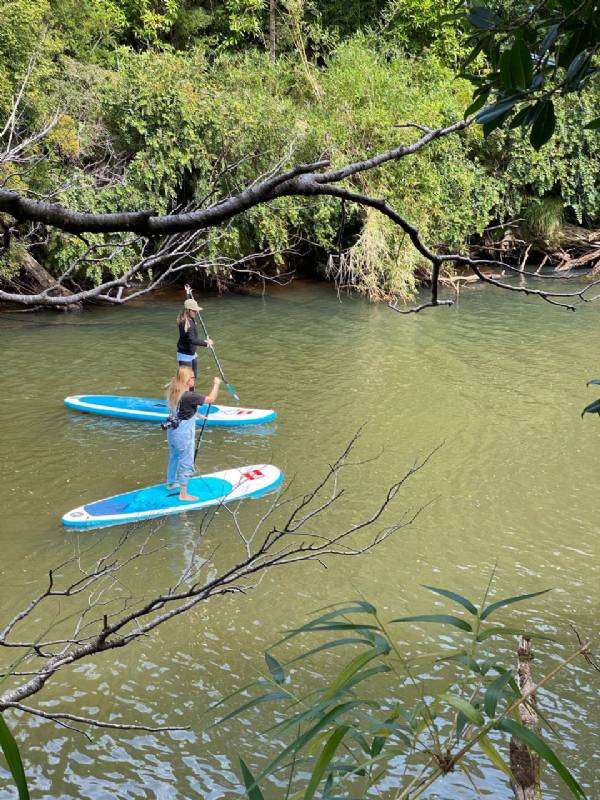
(439, 712)
(535, 52)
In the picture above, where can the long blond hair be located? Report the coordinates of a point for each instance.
(185, 317)
(178, 385)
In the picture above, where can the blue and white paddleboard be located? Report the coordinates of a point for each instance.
(156, 501)
(155, 410)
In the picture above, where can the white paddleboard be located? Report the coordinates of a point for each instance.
(155, 501)
(156, 410)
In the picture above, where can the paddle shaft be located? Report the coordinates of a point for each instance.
(201, 432)
(230, 388)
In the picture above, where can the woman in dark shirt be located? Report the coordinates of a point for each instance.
(188, 334)
(183, 403)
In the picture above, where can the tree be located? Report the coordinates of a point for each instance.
(304, 180)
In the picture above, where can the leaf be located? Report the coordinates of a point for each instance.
(384, 729)
(464, 660)
(360, 607)
(496, 110)
(478, 103)
(495, 691)
(593, 408)
(494, 756)
(593, 125)
(489, 127)
(367, 673)
(474, 53)
(304, 738)
(331, 626)
(275, 669)
(291, 722)
(506, 73)
(575, 44)
(442, 619)
(453, 596)
(13, 759)
(523, 69)
(256, 701)
(509, 601)
(533, 741)
(323, 761)
(328, 787)
(576, 67)
(461, 724)
(252, 790)
(349, 670)
(548, 40)
(330, 645)
(516, 66)
(520, 117)
(462, 705)
(501, 630)
(483, 18)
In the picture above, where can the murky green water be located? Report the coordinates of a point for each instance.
(500, 380)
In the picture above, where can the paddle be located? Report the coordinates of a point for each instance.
(230, 388)
(201, 432)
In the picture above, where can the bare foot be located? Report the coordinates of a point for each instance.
(173, 486)
(187, 497)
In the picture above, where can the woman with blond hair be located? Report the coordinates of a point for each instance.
(183, 403)
(188, 333)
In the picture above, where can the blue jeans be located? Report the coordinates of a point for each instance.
(181, 452)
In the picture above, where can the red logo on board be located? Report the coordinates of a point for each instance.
(253, 474)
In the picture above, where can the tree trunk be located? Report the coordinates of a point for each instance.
(40, 278)
(525, 765)
(273, 29)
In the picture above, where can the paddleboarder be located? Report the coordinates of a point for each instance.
(189, 340)
(183, 403)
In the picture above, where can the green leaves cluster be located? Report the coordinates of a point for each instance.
(437, 712)
(533, 54)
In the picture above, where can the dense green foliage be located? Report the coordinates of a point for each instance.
(162, 104)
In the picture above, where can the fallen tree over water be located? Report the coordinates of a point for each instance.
(181, 235)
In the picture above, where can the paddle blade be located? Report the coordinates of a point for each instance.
(231, 391)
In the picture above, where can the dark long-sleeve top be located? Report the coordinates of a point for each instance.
(188, 340)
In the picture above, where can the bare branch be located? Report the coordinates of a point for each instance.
(109, 618)
(95, 723)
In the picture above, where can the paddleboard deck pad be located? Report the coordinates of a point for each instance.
(156, 501)
(155, 410)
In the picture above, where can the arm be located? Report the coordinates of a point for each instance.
(212, 396)
(193, 336)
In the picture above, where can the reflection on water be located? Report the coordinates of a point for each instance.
(499, 380)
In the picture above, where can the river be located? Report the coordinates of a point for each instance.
(498, 380)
